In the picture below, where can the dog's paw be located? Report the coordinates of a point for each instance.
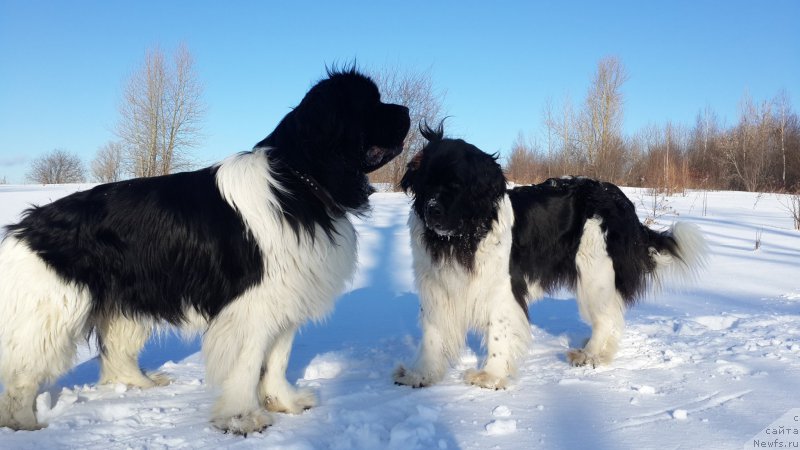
(21, 425)
(410, 377)
(20, 421)
(294, 403)
(138, 379)
(159, 378)
(243, 424)
(579, 358)
(485, 380)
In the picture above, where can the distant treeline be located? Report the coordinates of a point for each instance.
(761, 152)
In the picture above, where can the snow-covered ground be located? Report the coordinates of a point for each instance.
(709, 366)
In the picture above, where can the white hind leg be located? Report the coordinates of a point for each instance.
(43, 318)
(121, 341)
(599, 302)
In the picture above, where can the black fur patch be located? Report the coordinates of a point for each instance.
(157, 246)
(548, 226)
(148, 246)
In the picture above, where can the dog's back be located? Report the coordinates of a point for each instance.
(584, 235)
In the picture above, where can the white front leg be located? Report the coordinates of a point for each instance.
(507, 336)
(441, 343)
(276, 393)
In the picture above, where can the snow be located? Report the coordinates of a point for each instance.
(706, 366)
(498, 427)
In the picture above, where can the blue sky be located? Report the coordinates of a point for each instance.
(63, 64)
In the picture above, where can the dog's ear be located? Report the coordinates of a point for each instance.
(407, 182)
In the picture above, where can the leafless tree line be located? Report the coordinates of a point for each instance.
(760, 152)
(584, 140)
(161, 110)
(160, 115)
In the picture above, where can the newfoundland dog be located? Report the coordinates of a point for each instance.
(244, 251)
(482, 253)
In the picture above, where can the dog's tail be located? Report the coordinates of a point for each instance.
(679, 254)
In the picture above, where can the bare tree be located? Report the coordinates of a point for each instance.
(703, 152)
(107, 165)
(746, 150)
(563, 157)
(414, 90)
(160, 114)
(57, 167)
(783, 107)
(600, 122)
(523, 166)
(550, 128)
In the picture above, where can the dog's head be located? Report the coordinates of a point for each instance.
(342, 121)
(456, 186)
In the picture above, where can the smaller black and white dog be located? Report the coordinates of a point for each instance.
(482, 253)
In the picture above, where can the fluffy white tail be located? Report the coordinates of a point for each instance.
(683, 264)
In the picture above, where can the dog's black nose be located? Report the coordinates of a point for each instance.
(434, 211)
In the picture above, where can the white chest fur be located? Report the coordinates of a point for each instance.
(448, 286)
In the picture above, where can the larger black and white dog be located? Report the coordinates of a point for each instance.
(481, 253)
(244, 251)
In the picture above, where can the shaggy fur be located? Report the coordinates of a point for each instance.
(482, 253)
(244, 251)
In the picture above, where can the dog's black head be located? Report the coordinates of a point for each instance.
(456, 187)
(323, 149)
(340, 129)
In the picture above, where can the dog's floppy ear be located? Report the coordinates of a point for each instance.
(433, 136)
(411, 170)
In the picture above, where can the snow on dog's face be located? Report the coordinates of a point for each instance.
(456, 186)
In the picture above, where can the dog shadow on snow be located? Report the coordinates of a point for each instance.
(161, 348)
(362, 316)
(365, 316)
(559, 316)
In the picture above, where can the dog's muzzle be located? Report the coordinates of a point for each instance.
(377, 157)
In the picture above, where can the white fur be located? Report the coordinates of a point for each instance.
(46, 316)
(599, 302)
(454, 301)
(274, 391)
(692, 252)
(42, 318)
(302, 278)
(123, 338)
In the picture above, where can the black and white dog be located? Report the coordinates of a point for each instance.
(482, 252)
(244, 251)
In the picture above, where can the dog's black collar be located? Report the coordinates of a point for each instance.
(321, 193)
